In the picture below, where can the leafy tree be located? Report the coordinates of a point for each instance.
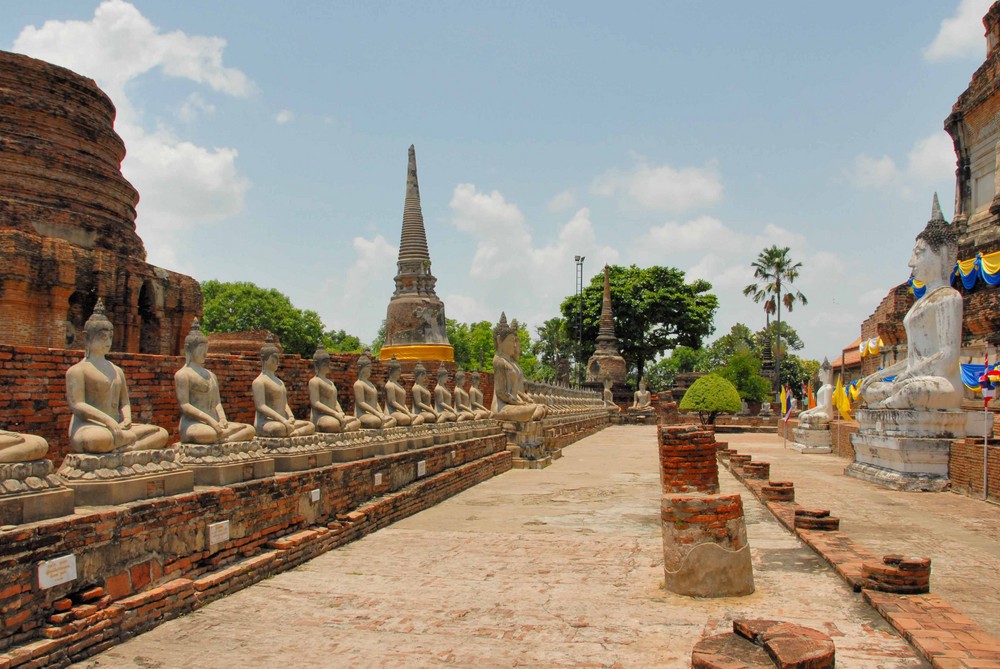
(789, 339)
(655, 310)
(709, 396)
(743, 371)
(376, 346)
(554, 343)
(473, 344)
(774, 271)
(241, 305)
(739, 338)
(338, 341)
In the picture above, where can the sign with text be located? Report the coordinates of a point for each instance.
(218, 533)
(56, 571)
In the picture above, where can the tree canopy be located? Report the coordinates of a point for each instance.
(241, 305)
(654, 309)
(709, 396)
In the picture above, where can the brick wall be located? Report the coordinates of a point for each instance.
(965, 468)
(154, 558)
(33, 387)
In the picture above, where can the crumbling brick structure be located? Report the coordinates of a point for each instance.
(67, 221)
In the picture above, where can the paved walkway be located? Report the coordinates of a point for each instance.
(561, 567)
(961, 535)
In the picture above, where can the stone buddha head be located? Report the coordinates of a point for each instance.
(935, 250)
(195, 345)
(460, 378)
(825, 373)
(394, 369)
(270, 355)
(97, 331)
(419, 374)
(475, 379)
(364, 366)
(442, 374)
(321, 360)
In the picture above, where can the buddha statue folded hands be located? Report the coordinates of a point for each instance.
(273, 417)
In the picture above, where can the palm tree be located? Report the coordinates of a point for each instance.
(775, 271)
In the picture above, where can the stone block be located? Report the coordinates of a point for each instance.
(29, 491)
(225, 464)
(119, 478)
(294, 454)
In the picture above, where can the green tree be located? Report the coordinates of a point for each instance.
(376, 346)
(473, 344)
(241, 305)
(718, 353)
(775, 271)
(709, 396)
(338, 341)
(655, 310)
(553, 343)
(743, 371)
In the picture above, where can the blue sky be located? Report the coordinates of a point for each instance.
(268, 142)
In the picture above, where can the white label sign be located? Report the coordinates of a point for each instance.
(218, 533)
(56, 571)
(378, 478)
(314, 495)
(422, 468)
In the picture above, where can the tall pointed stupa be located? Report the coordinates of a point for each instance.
(607, 362)
(414, 321)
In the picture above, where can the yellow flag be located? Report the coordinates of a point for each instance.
(841, 401)
(784, 401)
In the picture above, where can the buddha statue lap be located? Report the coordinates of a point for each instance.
(17, 447)
(395, 398)
(510, 402)
(274, 417)
(203, 419)
(326, 412)
(366, 405)
(97, 395)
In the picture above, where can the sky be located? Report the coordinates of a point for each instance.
(268, 142)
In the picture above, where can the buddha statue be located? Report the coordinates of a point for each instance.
(274, 418)
(97, 396)
(443, 403)
(203, 420)
(422, 397)
(366, 405)
(463, 405)
(476, 398)
(395, 397)
(609, 398)
(641, 400)
(325, 410)
(17, 447)
(930, 376)
(510, 402)
(822, 413)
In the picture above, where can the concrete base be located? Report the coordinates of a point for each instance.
(895, 480)
(29, 507)
(709, 570)
(293, 454)
(224, 464)
(125, 489)
(522, 463)
(236, 472)
(296, 462)
(813, 440)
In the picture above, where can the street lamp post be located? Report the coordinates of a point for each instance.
(579, 312)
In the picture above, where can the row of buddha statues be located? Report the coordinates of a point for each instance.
(101, 413)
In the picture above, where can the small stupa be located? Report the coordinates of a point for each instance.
(607, 362)
(414, 321)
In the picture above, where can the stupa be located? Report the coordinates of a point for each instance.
(414, 321)
(607, 362)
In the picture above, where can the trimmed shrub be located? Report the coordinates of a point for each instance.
(709, 396)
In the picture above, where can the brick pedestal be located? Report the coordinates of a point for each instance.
(687, 460)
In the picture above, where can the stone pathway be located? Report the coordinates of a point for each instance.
(560, 567)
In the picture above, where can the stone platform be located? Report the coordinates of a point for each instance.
(29, 491)
(224, 464)
(812, 439)
(119, 478)
(361, 444)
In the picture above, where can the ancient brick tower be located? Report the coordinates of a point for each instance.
(67, 221)
(607, 362)
(414, 321)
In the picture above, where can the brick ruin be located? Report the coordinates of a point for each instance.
(67, 221)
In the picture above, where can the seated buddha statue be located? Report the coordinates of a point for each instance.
(476, 398)
(395, 397)
(930, 376)
(203, 420)
(17, 447)
(423, 399)
(463, 405)
(822, 413)
(510, 402)
(274, 418)
(366, 405)
(325, 410)
(443, 403)
(641, 400)
(97, 395)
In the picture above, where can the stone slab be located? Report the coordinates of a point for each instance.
(908, 423)
(896, 480)
(34, 506)
(125, 489)
(709, 570)
(524, 463)
(911, 455)
(296, 462)
(234, 472)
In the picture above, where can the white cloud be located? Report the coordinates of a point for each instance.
(930, 161)
(180, 184)
(662, 188)
(562, 201)
(357, 299)
(960, 35)
(512, 271)
(284, 116)
(700, 234)
(194, 106)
